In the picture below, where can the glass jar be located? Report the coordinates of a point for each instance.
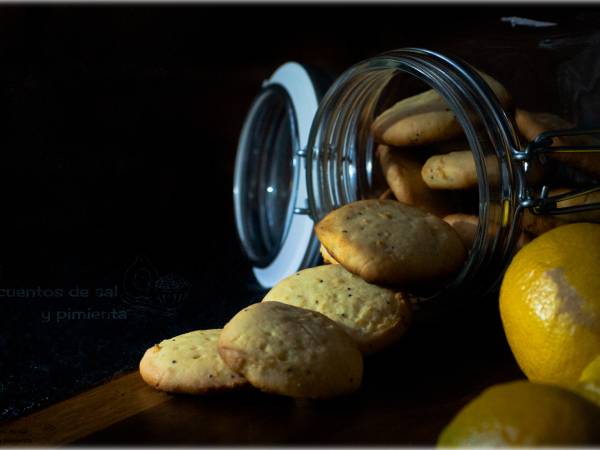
(336, 164)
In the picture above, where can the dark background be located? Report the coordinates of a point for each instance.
(118, 132)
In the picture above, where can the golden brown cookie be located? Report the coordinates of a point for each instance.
(455, 170)
(388, 194)
(327, 258)
(402, 171)
(537, 224)
(188, 364)
(531, 124)
(291, 351)
(418, 127)
(586, 199)
(424, 118)
(465, 226)
(373, 316)
(385, 241)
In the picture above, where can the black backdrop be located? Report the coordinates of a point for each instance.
(118, 133)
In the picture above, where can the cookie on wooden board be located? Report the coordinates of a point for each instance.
(373, 316)
(291, 351)
(387, 242)
(188, 364)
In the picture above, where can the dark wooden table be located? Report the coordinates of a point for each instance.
(409, 394)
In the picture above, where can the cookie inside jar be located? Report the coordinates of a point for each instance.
(421, 155)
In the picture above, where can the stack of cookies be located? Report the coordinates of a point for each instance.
(426, 162)
(307, 337)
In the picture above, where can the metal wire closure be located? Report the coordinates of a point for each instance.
(541, 145)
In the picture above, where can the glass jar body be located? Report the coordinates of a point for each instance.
(341, 154)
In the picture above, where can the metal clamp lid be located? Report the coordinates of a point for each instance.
(542, 144)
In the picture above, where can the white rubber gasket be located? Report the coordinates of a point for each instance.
(299, 86)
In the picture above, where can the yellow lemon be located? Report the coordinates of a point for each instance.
(550, 303)
(592, 371)
(589, 382)
(522, 413)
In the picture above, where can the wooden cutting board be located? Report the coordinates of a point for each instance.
(407, 397)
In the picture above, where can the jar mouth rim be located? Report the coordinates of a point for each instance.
(270, 126)
(269, 186)
(468, 95)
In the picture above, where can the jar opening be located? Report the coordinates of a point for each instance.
(266, 171)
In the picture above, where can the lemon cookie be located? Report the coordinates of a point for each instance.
(586, 199)
(402, 171)
(327, 258)
(291, 351)
(419, 120)
(385, 241)
(188, 364)
(538, 224)
(454, 170)
(425, 118)
(465, 225)
(531, 124)
(373, 316)
(388, 194)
